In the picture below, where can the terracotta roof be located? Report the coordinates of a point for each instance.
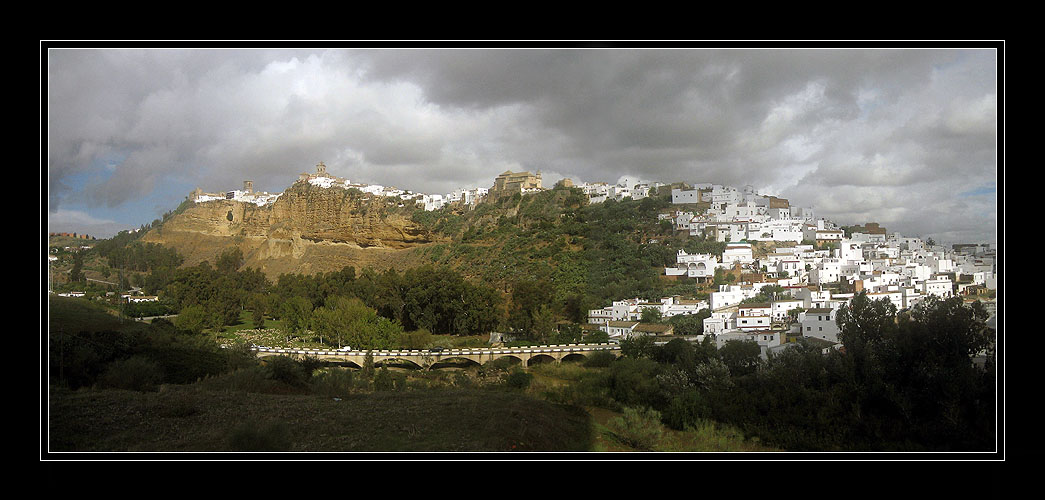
(755, 306)
(652, 328)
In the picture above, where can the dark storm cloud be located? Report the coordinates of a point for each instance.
(892, 131)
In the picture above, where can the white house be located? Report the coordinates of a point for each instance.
(780, 308)
(754, 316)
(685, 196)
(729, 295)
(719, 322)
(618, 330)
(939, 286)
(819, 323)
(693, 265)
(676, 306)
(766, 339)
(827, 271)
(600, 316)
(897, 297)
(812, 299)
(737, 252)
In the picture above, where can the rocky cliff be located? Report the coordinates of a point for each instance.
(307, 230)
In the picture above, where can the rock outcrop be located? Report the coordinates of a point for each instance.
(308, 229)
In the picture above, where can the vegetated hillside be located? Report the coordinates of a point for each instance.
(581, 254)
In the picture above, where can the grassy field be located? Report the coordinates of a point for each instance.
(563, 409)
(187, 418)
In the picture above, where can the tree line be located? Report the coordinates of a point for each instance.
(918, 380)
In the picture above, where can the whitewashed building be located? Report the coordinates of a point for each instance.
(819, 323)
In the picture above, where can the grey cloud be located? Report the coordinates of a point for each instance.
(812, 123)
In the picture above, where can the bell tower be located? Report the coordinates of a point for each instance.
(321, 169)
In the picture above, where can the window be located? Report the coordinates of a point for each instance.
(821, 328)
(809, 328)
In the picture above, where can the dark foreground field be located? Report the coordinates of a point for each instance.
(190, 419)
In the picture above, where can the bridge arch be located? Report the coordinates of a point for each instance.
(397, 361)
(538, 359)
(454, 361)
(508, 358)
(575, 357)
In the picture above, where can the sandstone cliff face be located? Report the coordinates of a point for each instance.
(307, 230)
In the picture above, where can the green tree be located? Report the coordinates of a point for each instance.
(543, 324)
(568, 333)
(193, 319)
(259, 306)
(528, 296)
(76, 273)
(226, 302)
(229, 261)
(597, 337)
(651, 315)
(296, 315)
(347, 320)
(742, 357)
(637, 346)
(690, 324)
(863, 323)
(417, 339)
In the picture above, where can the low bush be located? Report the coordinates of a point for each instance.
(519, 379)
(255, 380)
(387, 380)
(287, 370)
(599, 359)
(333, 382)
(135, 373)
(639, 428)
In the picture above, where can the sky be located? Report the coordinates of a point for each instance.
(906, 137)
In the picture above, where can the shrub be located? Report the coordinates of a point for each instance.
(461, 379)
(519, 379)
(240, 355)
(285, 369)
(334, 382)
(599, 359)
(309, 364)
(686, 410)
(135, 373)
(499, 366)
(383, 380)
(640, 429)
(255, 379)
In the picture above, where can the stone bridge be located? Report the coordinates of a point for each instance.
(425, 359)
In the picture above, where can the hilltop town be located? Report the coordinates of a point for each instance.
(507, 183)
(795, 290)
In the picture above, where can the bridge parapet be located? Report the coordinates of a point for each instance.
(427, 358)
